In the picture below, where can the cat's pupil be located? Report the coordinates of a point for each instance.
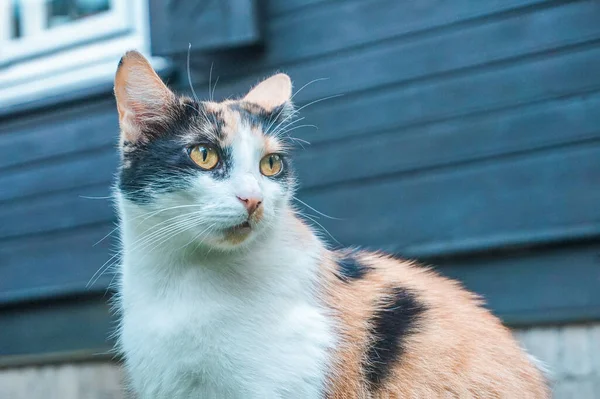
(271, 162)
(204, 154)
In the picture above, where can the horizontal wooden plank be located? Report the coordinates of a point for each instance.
(278, 7)
(332, 27)
(68, 325)
(53, 134)
(48, 264)
(89, 168)
(58, 211)
(466, 209)
(558, 285)
(336, 26)
(466, 139)
(401, 60)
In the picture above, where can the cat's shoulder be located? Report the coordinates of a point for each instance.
(380, 271)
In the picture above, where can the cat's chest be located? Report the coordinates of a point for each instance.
(238, 345)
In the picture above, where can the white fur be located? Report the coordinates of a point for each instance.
(205, 319)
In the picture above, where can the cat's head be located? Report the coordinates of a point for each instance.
(214, 174)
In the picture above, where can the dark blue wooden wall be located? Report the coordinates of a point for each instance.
(467, 135)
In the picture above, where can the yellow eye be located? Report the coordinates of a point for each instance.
(204, 156)
(271, 165)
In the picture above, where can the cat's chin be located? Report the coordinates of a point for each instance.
(237, 234)
(235, 237)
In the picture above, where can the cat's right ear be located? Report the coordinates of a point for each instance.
(142, 98)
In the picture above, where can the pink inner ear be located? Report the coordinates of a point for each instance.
(271, 92)
(142, 113)
(141, 95)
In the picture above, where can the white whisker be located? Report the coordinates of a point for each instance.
(311, 218)
(314, 210)
(95, 198)
(189, 74)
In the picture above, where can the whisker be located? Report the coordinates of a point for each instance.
(276, 131)
(169, 209)
(306, 85)
(140, 216)
(144, 241)
(297, 111)
(95, 198)
(189, 106)
(197, 236)
(210, 81)
(321, 226)
(314, 210)
(299, 140)
(307, 105)
(202, 240)
(189, 74)
(212, 94)
(291, 98)
(183, 227)
(106, 236)
(297, 127)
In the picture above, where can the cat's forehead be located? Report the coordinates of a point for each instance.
(233, 122)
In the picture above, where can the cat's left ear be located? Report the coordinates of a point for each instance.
(272, 93)
(143, 99)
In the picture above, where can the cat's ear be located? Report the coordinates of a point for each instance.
(142, 98)
(271, 93)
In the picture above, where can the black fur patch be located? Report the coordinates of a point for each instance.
(162, 163)
(390, 326)
(253, 115)
(349, 268)
(257, 116)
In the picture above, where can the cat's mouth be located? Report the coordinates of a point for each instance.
(238, 233)
(241, 228)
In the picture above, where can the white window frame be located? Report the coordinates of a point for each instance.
(79, 54)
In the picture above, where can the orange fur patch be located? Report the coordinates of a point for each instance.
(459, 350)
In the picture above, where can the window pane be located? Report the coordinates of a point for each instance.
(60, 12)
(15, 19)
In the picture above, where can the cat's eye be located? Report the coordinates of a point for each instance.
(205, 156)
(271, 165)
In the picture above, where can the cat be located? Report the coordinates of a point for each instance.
(225, 292)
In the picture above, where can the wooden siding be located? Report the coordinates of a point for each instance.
(466, 134)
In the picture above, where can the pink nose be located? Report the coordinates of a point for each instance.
(251, 204)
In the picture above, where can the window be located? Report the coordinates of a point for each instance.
(52, 46)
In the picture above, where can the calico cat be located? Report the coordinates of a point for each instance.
(225, 293)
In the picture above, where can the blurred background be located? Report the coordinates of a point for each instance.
(467, 135)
